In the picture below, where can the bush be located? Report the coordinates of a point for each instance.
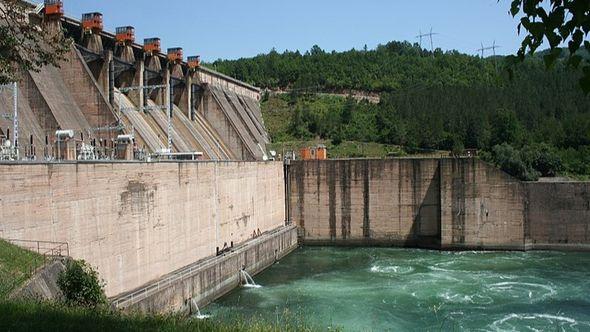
(80, 285)
(544, 159)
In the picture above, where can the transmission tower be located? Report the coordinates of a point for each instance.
(429, 35)
(487, 48)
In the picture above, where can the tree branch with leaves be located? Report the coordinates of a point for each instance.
(24, 45)
(557, 22)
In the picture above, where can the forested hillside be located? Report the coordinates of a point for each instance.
(536, 123)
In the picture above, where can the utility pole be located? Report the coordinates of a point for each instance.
(15, 119)
(429, 35)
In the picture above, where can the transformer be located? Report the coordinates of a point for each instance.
(125, 35)
(194, 62)
(54, 8)
(175, 54)
(152, 45)
(92, 22)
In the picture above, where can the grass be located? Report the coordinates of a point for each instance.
(30, 316)
(16, 266)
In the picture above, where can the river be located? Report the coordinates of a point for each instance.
(376, 289)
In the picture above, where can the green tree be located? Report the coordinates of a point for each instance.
(23, 45)
(507, 128)
(80, 285)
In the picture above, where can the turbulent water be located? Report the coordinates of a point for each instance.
(416, 290)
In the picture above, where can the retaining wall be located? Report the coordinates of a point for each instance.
(211, 278)
(441, 203)
(139, 221)
(558, 215)
(388, 202)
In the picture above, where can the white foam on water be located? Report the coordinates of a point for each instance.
(392, 269)
(523, 290)
(463, 298)
(538, 322)
(251, 286)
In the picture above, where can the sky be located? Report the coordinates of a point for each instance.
(231, 29)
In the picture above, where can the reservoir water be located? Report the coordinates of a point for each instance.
(418, 290)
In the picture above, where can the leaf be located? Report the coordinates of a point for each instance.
(515, 8)
(576, 41)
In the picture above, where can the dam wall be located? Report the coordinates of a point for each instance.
(368, 202)
(558, 215)
(449, 204)
(136, 222)
(481, 206)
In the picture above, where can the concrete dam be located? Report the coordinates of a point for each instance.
(111, 88)
(156, 172)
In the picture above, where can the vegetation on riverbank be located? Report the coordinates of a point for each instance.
(30, 316)
(84, 307)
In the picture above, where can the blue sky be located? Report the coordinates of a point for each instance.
(236, 28)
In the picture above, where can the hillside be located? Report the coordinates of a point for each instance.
(535, 123)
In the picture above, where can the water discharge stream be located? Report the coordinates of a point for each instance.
(416, 290)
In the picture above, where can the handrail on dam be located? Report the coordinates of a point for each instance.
(44, 248)
(186, 272)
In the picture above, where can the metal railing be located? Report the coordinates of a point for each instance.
(43, 248)
(185, 273)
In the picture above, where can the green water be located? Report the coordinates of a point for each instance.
(416, 290)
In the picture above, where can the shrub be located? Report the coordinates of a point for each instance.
(80, 285)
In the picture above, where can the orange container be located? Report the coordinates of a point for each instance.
(54, 8)
(322, 153)
(92, 21)
(305, 154)
(194, 62)
(152, 45)
(125, 35)
(175, 54)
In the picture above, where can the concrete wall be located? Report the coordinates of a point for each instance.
(481, 206)
(87, 93)
(558, 215)
(394, 201)
(444, 203)
(207, 280)
(139, 221)
(227, 83)
(213, 113)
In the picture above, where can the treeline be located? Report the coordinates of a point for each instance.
(536, 123)
(386, 68)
